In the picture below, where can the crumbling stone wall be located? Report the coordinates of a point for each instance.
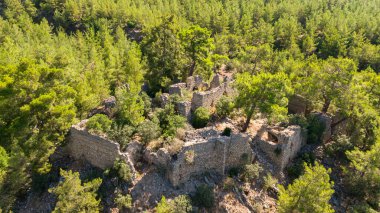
(215, 154)
(177, 89)
(98, 151)
(281, 145)
(184, 109)
(207, 98)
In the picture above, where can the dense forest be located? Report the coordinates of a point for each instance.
(60, 58)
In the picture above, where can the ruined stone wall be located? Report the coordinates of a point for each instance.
(212, 155)
(282, 145)
(97, 150)
(208, 98)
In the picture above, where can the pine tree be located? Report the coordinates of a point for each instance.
(73, 196)
(311, 192)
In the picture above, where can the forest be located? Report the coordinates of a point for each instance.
(59, 59)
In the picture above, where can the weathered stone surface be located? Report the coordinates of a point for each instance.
(216, 154)
(184, 109)
(204, 151)
(177, 89)
(194, 82)
(164, 99)
(297, 105)
(281, 145)
(134, 150)
(216, 81)
(98, 151)
(207, 98)
(326, 121)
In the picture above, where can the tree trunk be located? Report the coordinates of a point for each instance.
(248, 119)
(326, 105)
(192, 68)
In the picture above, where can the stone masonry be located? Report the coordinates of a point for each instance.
(177, 89)
(281, 145)
(202, 154)
(97, 150)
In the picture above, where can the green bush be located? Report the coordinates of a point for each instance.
(121, 134)
(224, 107)
(147, 103)
(204, 196)
(163, 206)
(169, 121)
(234, 171)
(181, 204)
(299, 120)
(123, 171)
(149, 131)
(201, 117)
(227, 132)
(123, 201)
(99, 123)
(251, 172)
(297, 168)
(339, 147)
(314, 130)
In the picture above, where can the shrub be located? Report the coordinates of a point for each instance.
(251, 172)
(227, 132)
(297, 168)
(314, 130)
(299, 120)
(181, 204)
(121, 134)
(147, 103)
(123, 170)
(163, 206)
(201, 117)
(149, 130)
(123, 201)
(269, 182)
(204, 196)
(339, 146)
(169, 121)
(224, 107)
(98, 124)
(234, 171)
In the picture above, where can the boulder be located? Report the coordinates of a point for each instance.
(297, 105)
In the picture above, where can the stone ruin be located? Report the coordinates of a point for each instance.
(105, 108)
(205, 150)
(280, 144)
(207, 97)
(97, 150)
